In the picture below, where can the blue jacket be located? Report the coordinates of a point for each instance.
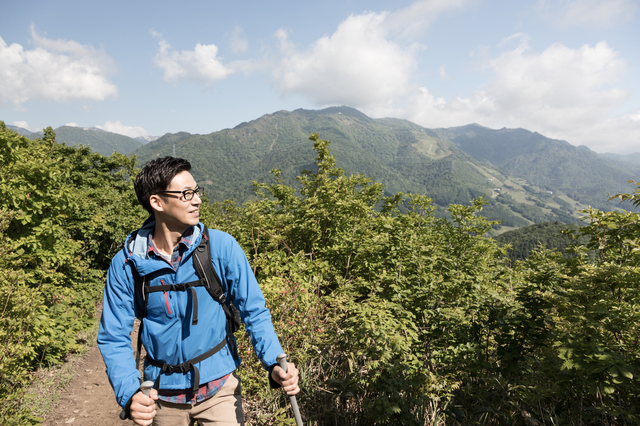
(168, 335)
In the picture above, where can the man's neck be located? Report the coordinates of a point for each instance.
(166, 239)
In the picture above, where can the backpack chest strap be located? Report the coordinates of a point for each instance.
(180, 287)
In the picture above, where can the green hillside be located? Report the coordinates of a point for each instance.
(548, 235)
(547, 164)
(449, 165)
(628, 158)
(397, 154)
(105, 143)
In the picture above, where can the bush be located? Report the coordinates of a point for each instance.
(64, 213)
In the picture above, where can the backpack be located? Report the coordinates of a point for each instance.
(209, 279)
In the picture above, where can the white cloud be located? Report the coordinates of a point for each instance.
(24, 125)
(357, 65)
(118, 127)
(596, 13)
(561, 87)
(55, 70)
(413, 20)
(561, 92)
(72, 124)
(201, 64)
(238, 43)
(368, 62)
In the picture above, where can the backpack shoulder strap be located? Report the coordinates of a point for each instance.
(204, 267)
(141, 293)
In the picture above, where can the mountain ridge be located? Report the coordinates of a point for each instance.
(405, 157)
(525, 177)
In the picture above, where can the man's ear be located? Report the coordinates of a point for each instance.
(157, 203)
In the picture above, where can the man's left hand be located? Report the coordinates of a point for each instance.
(288, 380)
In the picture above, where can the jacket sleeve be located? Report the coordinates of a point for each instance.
(248, 298)
(114, 335)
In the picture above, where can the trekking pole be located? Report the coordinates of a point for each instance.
(146, 387)
(282, 361)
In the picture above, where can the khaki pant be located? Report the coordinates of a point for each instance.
(222, 409)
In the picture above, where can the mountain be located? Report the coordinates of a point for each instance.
(547, 164)
(99, 140)
(25, 132)
(549, 235)
(526, 177)
(450, 165)
(396, 152)
(146, 139)
(628, 158)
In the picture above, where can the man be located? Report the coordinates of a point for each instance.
(190, 354)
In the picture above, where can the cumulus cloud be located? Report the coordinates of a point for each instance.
(367, 62)
(202, 64)
(121, 129)
(596, 13)
(561, 92)
(24, 125)
(55, 70)
(357, 65)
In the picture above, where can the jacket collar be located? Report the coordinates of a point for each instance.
(137, 246)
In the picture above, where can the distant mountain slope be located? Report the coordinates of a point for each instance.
(403, 156)
(25, 132)
(549, 235)
(400, 154)
(629, 158)
(99, 140)
(545, 163)
(525, 177)
(106, 143)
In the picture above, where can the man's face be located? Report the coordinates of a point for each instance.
(177, 213)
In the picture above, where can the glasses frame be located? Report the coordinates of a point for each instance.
(199, 190)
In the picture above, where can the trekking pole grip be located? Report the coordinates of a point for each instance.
(282, 362)
(145, 388)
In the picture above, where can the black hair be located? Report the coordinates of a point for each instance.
(156, 176)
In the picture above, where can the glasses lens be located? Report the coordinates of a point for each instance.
(188, 194)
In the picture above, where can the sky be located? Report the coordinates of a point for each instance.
(568, 69)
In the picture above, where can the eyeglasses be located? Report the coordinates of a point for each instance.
(187, 194)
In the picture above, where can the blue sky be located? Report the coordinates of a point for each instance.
(568, 69)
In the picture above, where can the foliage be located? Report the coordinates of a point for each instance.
(407, 318)
(65, 212)
(393, 312)
(378, 294)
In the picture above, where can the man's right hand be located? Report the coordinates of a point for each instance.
(143, 408)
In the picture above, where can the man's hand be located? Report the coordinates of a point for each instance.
(143, 408)
(288, 380)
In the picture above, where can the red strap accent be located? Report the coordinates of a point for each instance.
(166, 298)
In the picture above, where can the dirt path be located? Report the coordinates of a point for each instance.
(88, 399)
